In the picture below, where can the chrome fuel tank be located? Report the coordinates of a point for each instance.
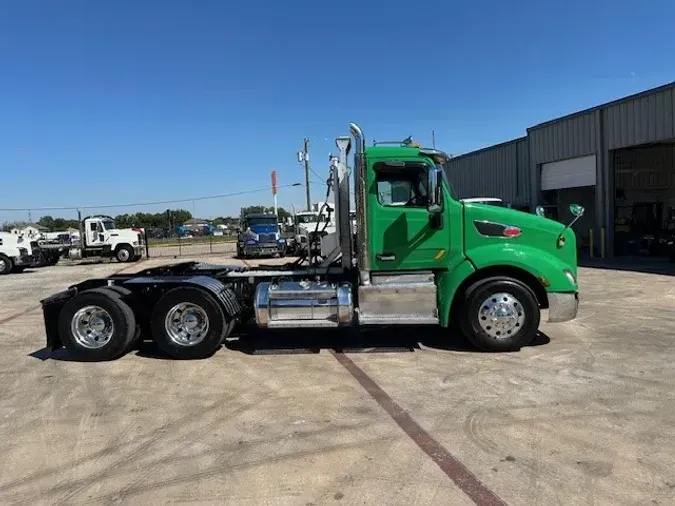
(293, 304)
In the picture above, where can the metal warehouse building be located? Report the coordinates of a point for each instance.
(617, 160)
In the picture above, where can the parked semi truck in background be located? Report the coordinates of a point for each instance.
(260, 235)
(311, 226)
(19, 252)
(99, 237)
(421, 257)
(15, 253)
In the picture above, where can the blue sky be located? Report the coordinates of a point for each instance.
(106, 102)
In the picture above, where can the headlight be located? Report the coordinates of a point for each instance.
(135, 243)
(571, 277)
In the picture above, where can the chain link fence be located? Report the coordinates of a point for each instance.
(161, 244)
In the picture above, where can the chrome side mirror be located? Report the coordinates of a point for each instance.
(434, 190)
(539, 211)
(577, 210)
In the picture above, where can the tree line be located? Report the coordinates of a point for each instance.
(166, 220)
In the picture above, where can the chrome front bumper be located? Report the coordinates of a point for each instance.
(562, 307)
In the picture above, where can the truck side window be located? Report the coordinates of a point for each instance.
(92, 227)
(404, 188)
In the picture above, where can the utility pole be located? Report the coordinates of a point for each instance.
(274, 193)
(303, 157)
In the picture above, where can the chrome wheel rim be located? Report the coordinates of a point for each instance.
(3, 265)
(186, 324)
(501, 316)
(123, 255)
(92, 327)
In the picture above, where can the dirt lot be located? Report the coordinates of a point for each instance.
(584, 416)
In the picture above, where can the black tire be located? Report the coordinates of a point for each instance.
(518, 299)
(126, 295)
(208, 341)
(6, 264)
(124, 254)
(121, 315)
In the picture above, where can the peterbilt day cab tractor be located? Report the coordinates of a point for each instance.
(421, 257)
(99, 237)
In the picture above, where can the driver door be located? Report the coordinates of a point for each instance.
(400, 230)
(95, 231)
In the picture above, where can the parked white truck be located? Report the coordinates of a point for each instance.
(99, 237)
(15, 253)
(311, 226)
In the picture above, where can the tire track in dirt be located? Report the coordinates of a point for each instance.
(117, 467)
(145, 442)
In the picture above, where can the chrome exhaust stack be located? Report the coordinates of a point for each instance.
(360, 193)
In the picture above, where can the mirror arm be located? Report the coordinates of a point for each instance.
(576, 218)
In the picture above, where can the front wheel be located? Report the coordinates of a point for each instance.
(500, 314)
(6, 264)
(125, 253)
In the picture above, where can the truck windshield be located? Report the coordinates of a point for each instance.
(271, 220)
(108, 224)
(310, 218)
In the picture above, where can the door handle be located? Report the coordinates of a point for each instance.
(386, 257)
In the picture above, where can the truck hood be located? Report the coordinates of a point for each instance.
(306, 228)
(127, 233)
(518, 235)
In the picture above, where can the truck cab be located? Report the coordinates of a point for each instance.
(311, 227)
(259, 235)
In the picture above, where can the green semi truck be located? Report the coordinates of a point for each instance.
(420, 257)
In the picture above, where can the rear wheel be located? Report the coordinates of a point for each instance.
(188, 323)
(97, 324)
(124, 253)
(500, 314)
(6, 264)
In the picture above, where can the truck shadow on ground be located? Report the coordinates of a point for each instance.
(253, 341)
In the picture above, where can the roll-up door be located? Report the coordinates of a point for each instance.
(571, 173)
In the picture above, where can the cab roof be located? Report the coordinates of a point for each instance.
(388, 151)
(259, 215)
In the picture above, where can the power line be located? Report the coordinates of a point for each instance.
(140, 204)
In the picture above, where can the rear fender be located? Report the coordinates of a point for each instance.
(222, 293)
(51, 308)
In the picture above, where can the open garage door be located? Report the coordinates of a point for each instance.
(572, 173)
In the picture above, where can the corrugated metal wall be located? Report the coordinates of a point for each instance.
(509, 170)
(566, 138)
(644, 119)
(500, 171)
